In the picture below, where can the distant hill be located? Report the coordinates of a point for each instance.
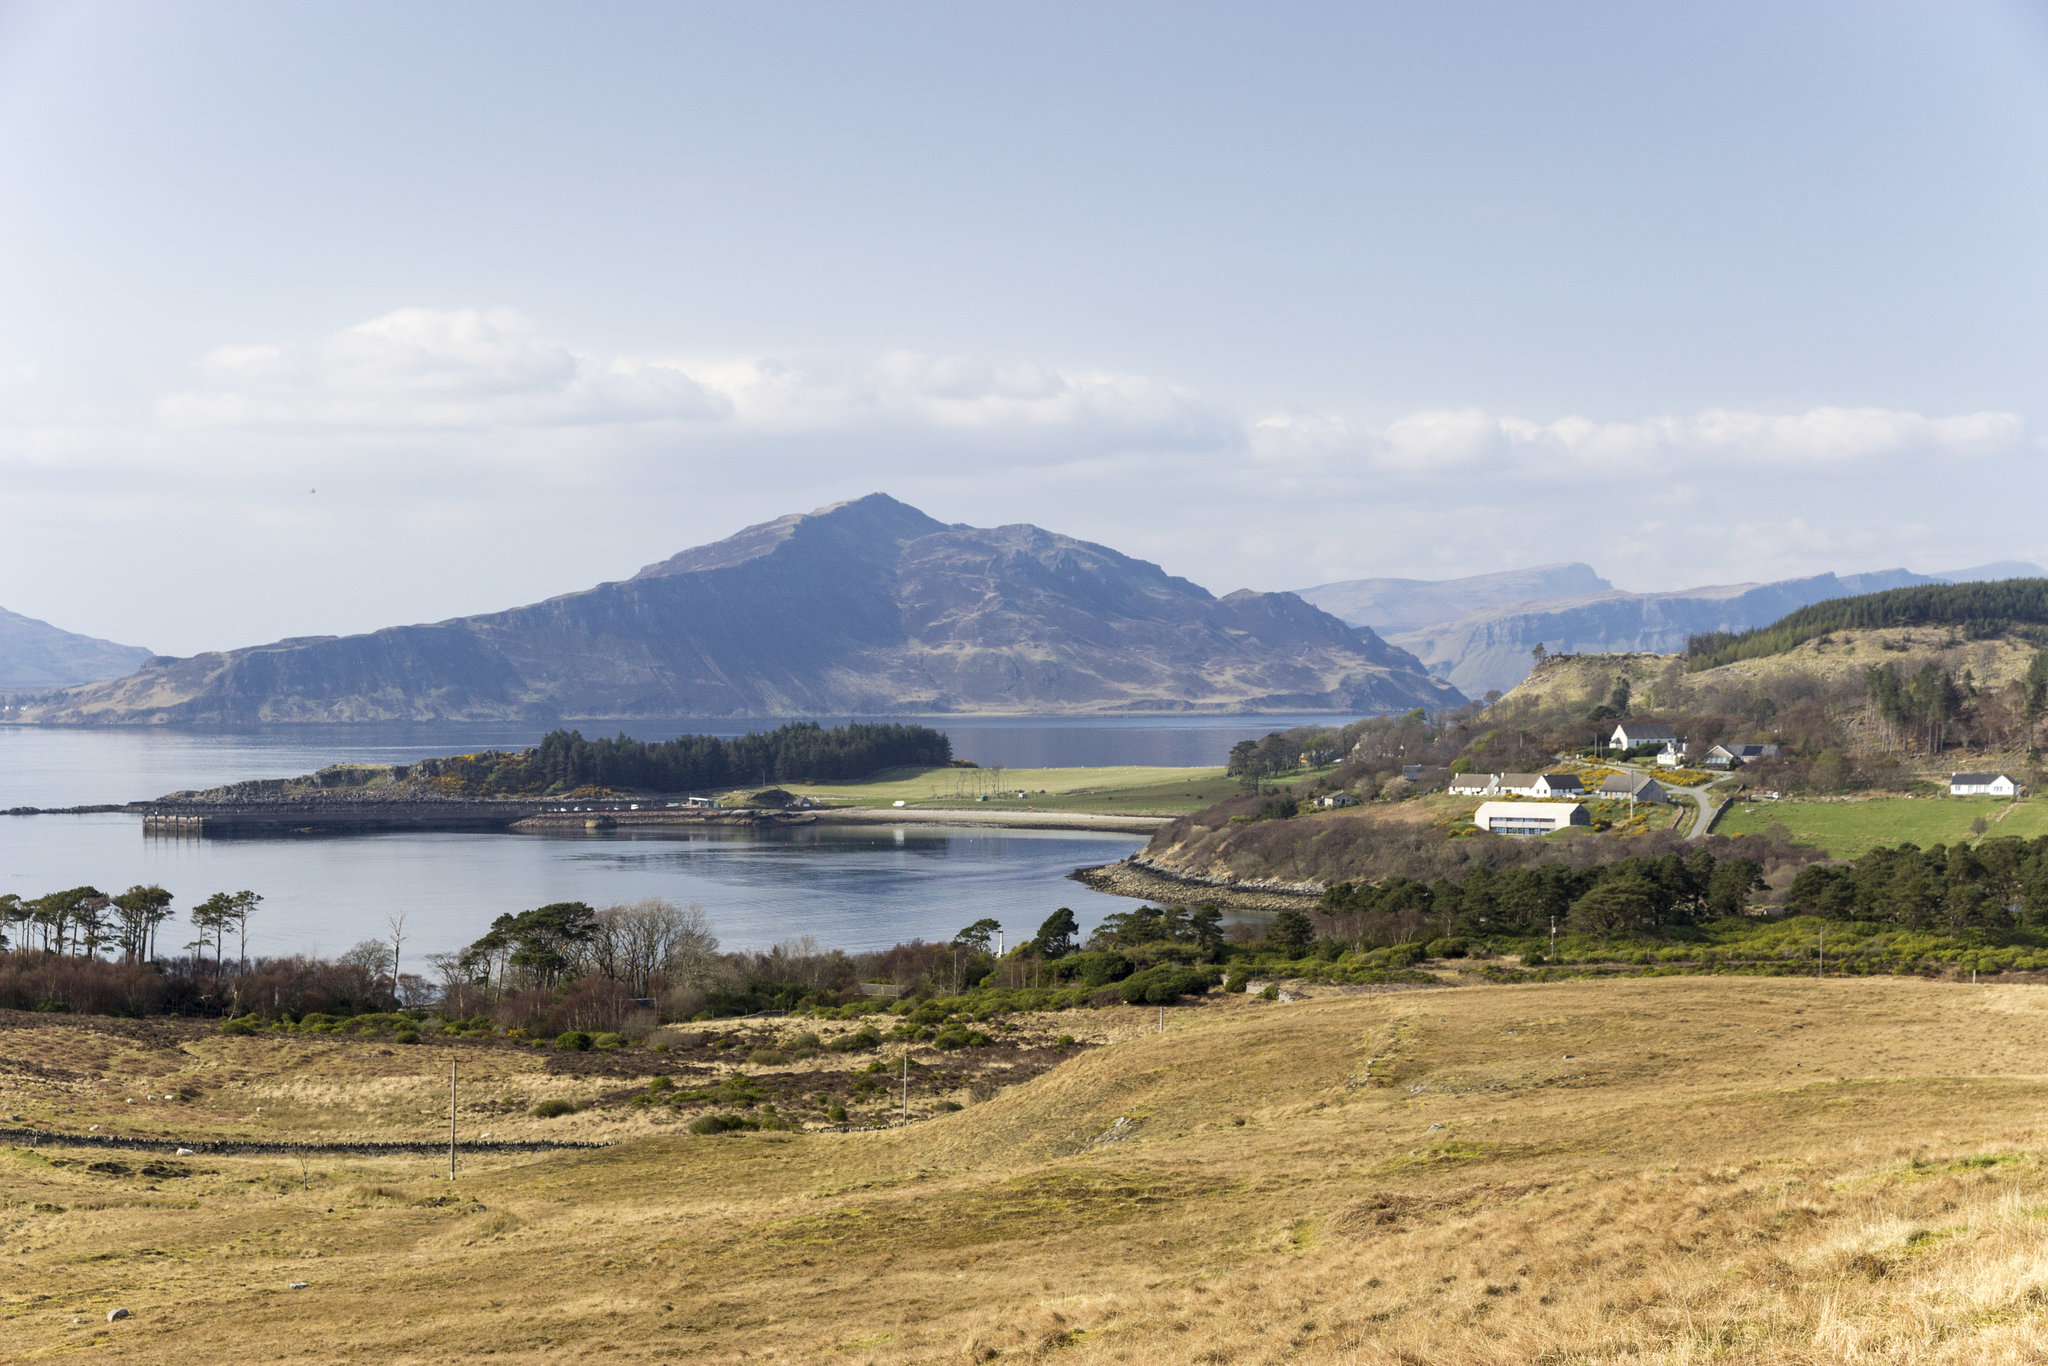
(37, 655)
(864, 608)
(1489, 646)
(1388, 605)
(1980, 609)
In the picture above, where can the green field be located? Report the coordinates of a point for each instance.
(1129, 789)
(1852, 829)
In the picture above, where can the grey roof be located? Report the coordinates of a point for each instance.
(1645, 731)
(1975, 779)
(1517, 780)
(1556, 778)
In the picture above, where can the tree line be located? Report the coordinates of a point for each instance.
(802, 751)
(84, 921)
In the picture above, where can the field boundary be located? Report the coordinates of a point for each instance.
(237, 1147)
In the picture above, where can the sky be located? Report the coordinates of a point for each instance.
(320, 318)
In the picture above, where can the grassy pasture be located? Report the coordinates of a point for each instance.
(1851, 829)
(1128, 789)
(1755, 1170)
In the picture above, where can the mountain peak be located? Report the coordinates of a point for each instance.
(876, 518)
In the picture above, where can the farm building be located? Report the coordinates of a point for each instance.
(1528, 818)
(1981, 785)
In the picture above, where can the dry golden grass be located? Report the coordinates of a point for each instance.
(1653, 1170)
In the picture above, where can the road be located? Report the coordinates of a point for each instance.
(1702, 797)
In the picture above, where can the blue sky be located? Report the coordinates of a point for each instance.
(1274, 295)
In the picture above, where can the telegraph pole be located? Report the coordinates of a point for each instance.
(906, 1084)
(452, 1065)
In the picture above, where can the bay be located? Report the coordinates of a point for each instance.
(852, 887)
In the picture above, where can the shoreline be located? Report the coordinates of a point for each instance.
(1001, 820)
(1132, 878)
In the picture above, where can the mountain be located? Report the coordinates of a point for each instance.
(866, 607)
(1406, 604)
(35, 654)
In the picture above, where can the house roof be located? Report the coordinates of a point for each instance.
(1624, 783)
(1563, 780)
(1471, 780)
(1643, 731)
(1975, 779)
(1517, 780)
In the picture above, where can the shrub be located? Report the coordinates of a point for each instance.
(610, 1041)
(1064, 1041)
(768, 1057)
(241, 1026)
(1236, 982)
(1271, 993)
(1164, 984)
(661, 1084)
(721, 1124)
(1446, 948)
(407, 1036)
(836, 1113)
(551, 1109)
(947, 1107)
(960, 1036)
(574, 1040)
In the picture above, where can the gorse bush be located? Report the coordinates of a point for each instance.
(574, 1040)
(554, 1109)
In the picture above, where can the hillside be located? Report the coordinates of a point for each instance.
(865, 607)
(1492, 648)
(37, 655)
(1661, 1170)
(1842, 657)
(1479, 632)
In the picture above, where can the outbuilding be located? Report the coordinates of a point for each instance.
(1529, 818)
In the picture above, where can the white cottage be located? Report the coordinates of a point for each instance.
(1981, 785)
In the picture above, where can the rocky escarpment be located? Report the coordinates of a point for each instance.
(869, 607)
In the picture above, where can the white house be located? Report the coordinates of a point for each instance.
(1672, 755)
(1528, 818)
(1725, 756)
(1981, 785)
(1515, 784)
(1557, 785)
(1630, 734)
(1474, 784)
(1641, 786)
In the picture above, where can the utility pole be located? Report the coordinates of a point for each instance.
(452, 1065)
(1823, 950)
(1162, 1019)
(1553, 936)
(906, 1085)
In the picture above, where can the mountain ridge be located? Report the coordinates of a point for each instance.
(865, 607)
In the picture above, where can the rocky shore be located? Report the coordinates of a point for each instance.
(1138, 876)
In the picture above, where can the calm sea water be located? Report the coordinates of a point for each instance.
(850, 887)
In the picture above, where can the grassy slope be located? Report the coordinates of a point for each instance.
(1129, 789)
(1851, 829)
(1646, 1171)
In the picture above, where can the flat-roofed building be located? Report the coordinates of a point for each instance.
(1528, 818)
